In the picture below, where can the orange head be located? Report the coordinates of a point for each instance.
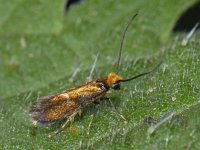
(113, 80)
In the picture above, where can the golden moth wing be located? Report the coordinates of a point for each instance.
(53, 108)
(88, 93)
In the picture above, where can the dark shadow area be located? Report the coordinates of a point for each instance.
(188, 19)
(69, 3)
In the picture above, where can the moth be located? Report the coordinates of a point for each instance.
(70, 103)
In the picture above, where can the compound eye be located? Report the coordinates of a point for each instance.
(104, 88)
(116, 86)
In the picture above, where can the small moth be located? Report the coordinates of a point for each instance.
(70, 103)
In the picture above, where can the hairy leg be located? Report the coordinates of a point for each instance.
(70, 119)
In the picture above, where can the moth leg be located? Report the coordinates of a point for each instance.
(117, 111)
(70, 119)
(91, 120)
(89, 126)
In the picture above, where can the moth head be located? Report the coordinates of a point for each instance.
(113, 81)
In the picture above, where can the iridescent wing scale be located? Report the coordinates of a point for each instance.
(54, 108)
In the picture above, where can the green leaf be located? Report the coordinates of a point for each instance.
(41, 49)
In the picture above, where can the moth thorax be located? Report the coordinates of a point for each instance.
(112, 78)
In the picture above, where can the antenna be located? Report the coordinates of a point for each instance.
(142, 74)
(122, 41)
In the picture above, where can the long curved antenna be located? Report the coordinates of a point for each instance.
(142, 74)
(122, 41)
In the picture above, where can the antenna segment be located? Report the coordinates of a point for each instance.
(122, 41)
